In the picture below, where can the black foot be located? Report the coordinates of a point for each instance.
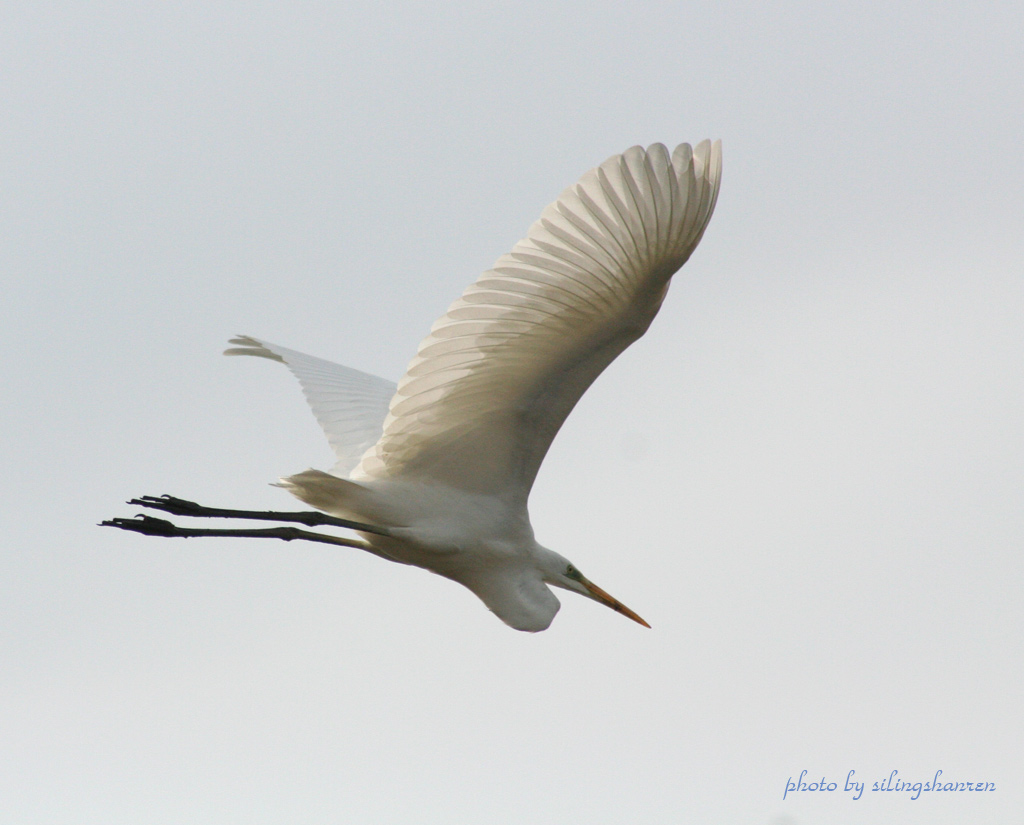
(147, 525)
(170, 504)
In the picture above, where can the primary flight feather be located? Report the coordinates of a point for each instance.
(440, 466)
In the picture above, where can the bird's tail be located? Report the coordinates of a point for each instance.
(338, 496)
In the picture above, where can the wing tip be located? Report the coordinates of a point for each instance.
(251, 346)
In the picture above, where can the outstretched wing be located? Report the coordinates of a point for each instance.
(350, 405)
(499, 372)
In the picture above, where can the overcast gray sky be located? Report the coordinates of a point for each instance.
(807, 477)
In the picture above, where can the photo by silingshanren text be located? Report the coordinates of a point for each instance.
(893, 783)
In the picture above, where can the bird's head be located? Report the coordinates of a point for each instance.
(519, 593)
(560, 572)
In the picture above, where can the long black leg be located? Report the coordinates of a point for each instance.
(151, 526)
(311, 518)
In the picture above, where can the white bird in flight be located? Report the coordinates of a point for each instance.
(436, 470)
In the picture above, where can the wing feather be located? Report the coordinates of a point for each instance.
(349, 405)
(493, 381)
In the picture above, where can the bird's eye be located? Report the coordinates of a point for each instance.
(570, 571)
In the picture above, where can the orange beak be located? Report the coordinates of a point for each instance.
(611, 602)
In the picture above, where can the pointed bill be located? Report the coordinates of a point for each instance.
(611, 602)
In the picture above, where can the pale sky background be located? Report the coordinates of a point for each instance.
(807, 477)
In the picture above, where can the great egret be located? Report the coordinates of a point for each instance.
(436, 470)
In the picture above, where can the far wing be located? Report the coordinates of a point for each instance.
(499, 372)
(350, 405)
